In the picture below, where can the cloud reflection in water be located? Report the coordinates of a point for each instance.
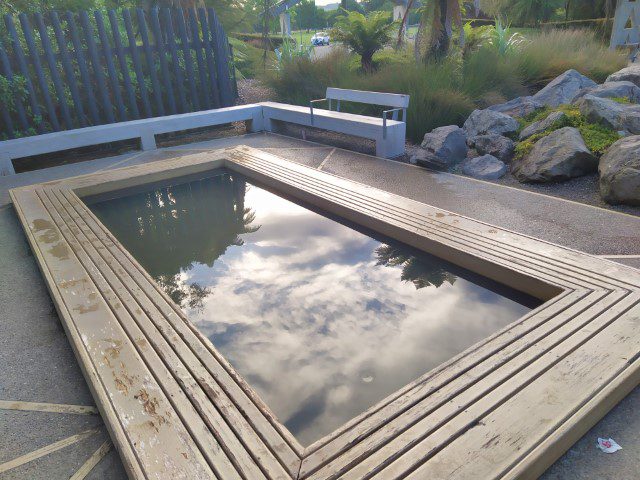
(322, 320)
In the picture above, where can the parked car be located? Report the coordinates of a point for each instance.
(320, 38)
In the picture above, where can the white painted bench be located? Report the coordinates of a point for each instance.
(144, 129)
(388, 133)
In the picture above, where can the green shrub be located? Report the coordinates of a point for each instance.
(596, 137)
(445, 92)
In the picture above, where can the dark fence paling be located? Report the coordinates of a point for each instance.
(73, 70)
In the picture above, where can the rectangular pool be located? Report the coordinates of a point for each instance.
(323, 319)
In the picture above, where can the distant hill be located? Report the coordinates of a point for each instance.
(330, 7)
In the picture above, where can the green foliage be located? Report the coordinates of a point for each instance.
(503, 40)
(289, 52)
(445, 92)
(365, 35)
(12, 90)
(551, 53)
(523, 12)
(596, 137)
(623, 100)
(249, 60)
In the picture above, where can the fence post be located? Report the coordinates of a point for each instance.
(185, 63)
(68, 69)
(24, 71)
(122, 61)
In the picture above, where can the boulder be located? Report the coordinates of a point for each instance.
(617, 116)
(427, 159)
(559, 156)
(620, 172)
(518, 107)
(481, 122)
(621, 89)
(486, 167)
(496, 145)
(442, 148)
(563, 88)
(541, 125)
(630, 74)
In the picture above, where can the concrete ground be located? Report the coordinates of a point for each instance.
(46, 436)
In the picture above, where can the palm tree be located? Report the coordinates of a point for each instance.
(435, 31)
(364, 35)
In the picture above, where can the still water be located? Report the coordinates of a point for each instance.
(321, 319)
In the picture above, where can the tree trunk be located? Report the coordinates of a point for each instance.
(366, 61)
(343, 4)
(441, 47)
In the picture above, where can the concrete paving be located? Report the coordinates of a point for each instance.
(38, 364)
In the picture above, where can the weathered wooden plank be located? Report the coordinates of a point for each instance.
(202, 69)
(160, 48)
(236, 436)
(109, 360)
(188, 60)
(105, 48)
(347, 445)
(5, 71)
(210, 60)
(223, 389)
(220, 45)
(444, 405)
(137, 65)
(124, 68)
(53, 70)
(144, 35)
(178, 76)
(234, 80)
(37, 67)
(24, 71)
(449, 413)
(513, 425)
(98, 71)
(487, 243)
(84, 70)
(158, 355)
(69, 72)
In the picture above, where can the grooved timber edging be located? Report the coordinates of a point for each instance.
(507, 407)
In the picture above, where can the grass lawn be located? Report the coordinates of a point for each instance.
(303, 37)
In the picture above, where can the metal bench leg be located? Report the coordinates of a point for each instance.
(6, 167)
(148, 141)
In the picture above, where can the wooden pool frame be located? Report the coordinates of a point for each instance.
(507, 407)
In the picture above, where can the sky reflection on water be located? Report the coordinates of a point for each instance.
(322, 320)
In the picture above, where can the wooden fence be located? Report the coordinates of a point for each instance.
(76, 69)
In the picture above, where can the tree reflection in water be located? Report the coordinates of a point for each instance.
(423, 271)
(171, 229)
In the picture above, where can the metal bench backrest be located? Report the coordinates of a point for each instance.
(397, 101)
(374, 98)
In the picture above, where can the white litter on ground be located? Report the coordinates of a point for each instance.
(608, 445)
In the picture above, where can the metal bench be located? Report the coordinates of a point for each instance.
(388, 132)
